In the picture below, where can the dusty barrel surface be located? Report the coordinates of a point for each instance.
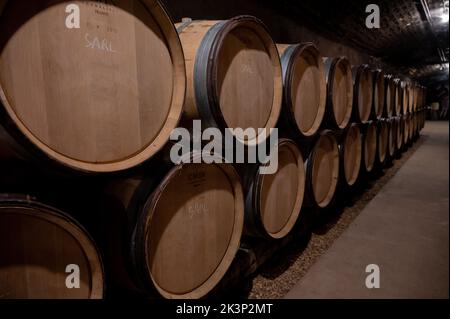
(304, 94)
(185, 229)
(383, 141)
(370, 146)
(322, 170)
(100, 98)
(363, 93)
(350, 149)
(339, 92)
(273, 201)
(38, 245)
(233, 73)
(378, 93)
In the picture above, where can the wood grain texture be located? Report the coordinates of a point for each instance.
(36, 246)
(103, 97)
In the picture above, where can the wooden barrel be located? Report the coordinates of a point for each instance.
(273, 201)
(350, 150)
(362, 93)
(304, 92)
(322, 171)
(404, 97)
(182, 232)
(410, 90)
(400, 133)
(370, 146)
(383, 141)
(233, 72)
(392, 127)
(406, 130)
(339, 92)
(378, 93)
(100, 98)
(389, 96)
(411, 127)
(40, 248)
(397, 98)
(415, 96)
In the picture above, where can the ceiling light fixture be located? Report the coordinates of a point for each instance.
(444, 15)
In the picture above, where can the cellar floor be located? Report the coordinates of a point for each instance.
(404, 230)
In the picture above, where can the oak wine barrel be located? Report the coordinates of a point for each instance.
(378, 93)
(410, 90)
(383, 141)
(100, 98)
(304, 89)
(392, 128)
(350, 150)
(411, 127)
(182, 231)
(234, 77)
(389, 96)
(400, 132)
(370, 146)
(339, 92)
(39, 245)
(406, 130)
(397, 99)
(322, 171)
(363, 93)
(273, 201)
(404, 97)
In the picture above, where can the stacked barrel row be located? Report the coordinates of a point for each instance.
(105, 110)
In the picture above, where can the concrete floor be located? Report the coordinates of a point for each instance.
(404, 230)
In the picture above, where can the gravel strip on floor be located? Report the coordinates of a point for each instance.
(280, 274)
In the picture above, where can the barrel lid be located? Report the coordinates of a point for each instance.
(102, 97)
(190, 230)
(37, 244)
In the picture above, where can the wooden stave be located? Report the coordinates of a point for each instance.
(330, 64)
(287, 117)
(254, 226)
(70, 225)
(18, 143)
(204, 102)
